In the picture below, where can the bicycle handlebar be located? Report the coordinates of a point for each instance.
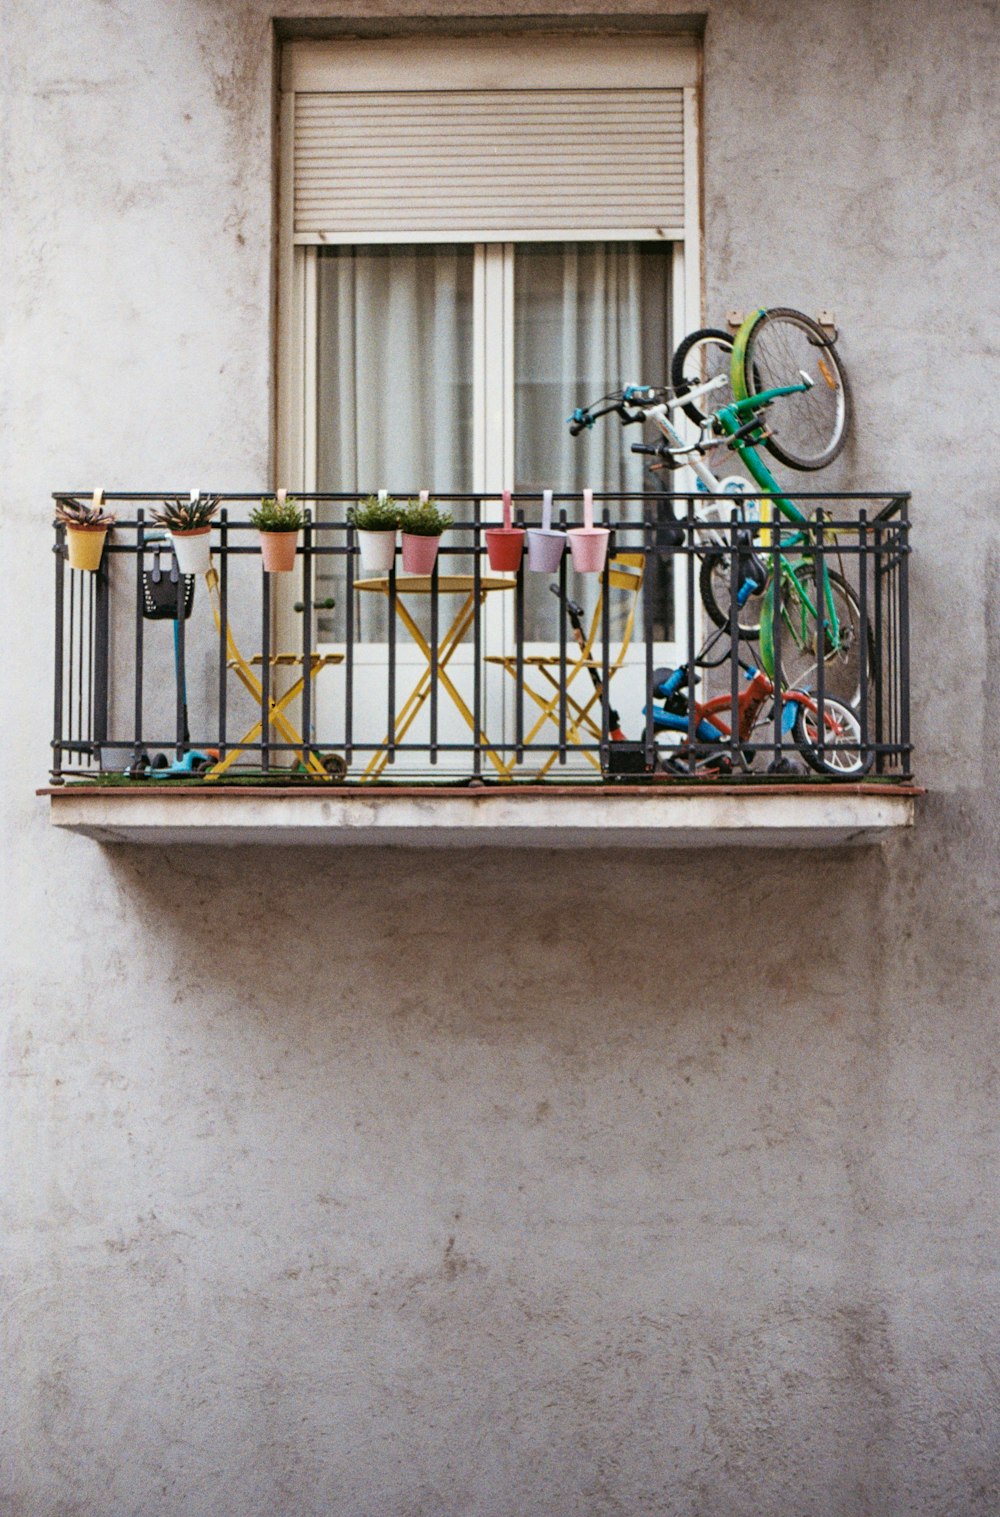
(644, 397)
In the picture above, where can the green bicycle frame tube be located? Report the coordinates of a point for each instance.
(729, 420)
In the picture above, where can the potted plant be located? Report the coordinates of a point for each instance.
(376, 521)
(504, 545)
(87, 528)
(422, 523)
(279, 520)
(189, 523)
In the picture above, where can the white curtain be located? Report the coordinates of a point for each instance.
(395, 369)
(589, 318)
(395, 400)
(394, 386)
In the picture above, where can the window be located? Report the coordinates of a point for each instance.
(479, 235)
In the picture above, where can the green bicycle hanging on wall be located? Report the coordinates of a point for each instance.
(807, 594)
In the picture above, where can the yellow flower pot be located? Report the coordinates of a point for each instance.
(85, 544)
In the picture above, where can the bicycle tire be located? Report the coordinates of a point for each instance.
(771, 349)
(847, 758)
(842, 676)
(714, 588)
(700, 357)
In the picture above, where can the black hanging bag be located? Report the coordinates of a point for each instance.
(159, 590)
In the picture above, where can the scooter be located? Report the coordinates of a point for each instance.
(160, 603)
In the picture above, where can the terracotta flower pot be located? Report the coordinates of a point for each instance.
(193, 550)
(588, 544)
(278, 550)
(378, 550)
(505, 545)
(419, 553)
(545, 545)
(85, 546)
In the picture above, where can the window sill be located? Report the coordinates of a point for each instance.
(555, 816)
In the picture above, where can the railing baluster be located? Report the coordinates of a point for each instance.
(265, 669)
(57, 713)
(774, 527)
(435, 614)
(391, 729)
(735, 748)
(904, 638)
(307, 618)
(562, 644)
(349, 592)
(863, 609)
(650, 563)
(223, 624)
(605, 753)
(477, 653)
(137, 658)
(822, 612)
(689, 604)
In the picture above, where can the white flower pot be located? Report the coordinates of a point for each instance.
(378, 550)
(193, 550)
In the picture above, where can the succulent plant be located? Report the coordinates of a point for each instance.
(75, 513)
(424, 518)
(376, 514)
(273, 515)
(187, 515)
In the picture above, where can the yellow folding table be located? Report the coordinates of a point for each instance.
(464, 618)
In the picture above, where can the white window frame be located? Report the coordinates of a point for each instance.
(469, 63)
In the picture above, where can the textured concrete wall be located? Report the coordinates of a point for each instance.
(477, 1186)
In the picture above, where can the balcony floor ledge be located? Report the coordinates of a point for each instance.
(681, 816)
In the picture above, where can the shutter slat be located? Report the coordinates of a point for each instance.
(462, 160)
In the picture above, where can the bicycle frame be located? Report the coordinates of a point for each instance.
(711, 729)
(730, 420)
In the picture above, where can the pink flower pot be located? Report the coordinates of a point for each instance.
(278, 549)
(505, 545)
(419, 553)
(588, 544)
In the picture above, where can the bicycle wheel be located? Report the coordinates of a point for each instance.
(842, 674)
(714, 584)
(843, 754)
(703, 355)
(810, 429)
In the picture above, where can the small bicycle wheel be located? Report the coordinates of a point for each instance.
(703, 355)
(810, 428)
(842, 753)
(335, 765)
(800, 636)
(714, 585)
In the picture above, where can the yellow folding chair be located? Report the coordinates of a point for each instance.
(625, 572)
(326, 766)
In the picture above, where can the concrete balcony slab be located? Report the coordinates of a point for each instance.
(674, 816)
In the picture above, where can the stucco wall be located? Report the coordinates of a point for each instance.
(487, 1185)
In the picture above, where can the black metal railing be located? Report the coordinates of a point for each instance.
(663, 664)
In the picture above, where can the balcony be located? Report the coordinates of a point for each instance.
(630, 703)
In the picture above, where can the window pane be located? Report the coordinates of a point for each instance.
(589, 318)
(394, 382)
(395, 369)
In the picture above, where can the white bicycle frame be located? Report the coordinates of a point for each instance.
(732, 484)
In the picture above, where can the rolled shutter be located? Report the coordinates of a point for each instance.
(470, 163)
(480, 140)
